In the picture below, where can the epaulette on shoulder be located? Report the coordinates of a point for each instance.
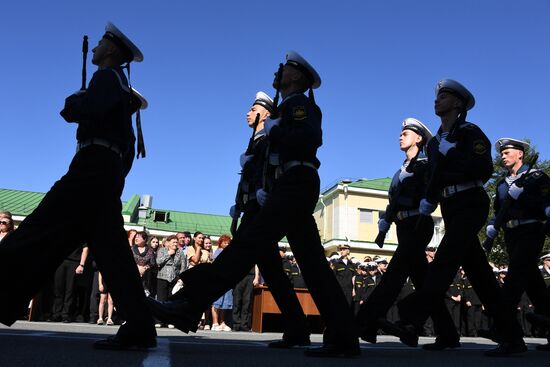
(298, 99)
(468, 125)
(122, 85)
(535, 173)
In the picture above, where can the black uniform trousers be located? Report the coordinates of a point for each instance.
(164, 289)
(288, 212)
(474, 315)
(94, 298)
(82, 207)
(63, 286)
(409, 259)
(454, 309)
(242, 302)
(271, 267)
(348, 293)
(524, 244)
(464, 215)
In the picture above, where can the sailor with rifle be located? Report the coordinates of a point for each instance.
(294, 137)
(407, 188)
(522, 196)
(460, 163)
(270, 265)
(89, 192)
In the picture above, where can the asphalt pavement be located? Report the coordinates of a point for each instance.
(58, 345)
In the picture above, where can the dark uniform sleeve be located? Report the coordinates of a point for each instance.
(536, 194)
(388, 215)
(414, 187)
(258, 161)
(97, 101)
(471, 158)
(496, 203)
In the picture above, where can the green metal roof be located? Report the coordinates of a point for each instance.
(24, 202)
(19, 202)
(210, 224)
(382, 184)
(129, 207)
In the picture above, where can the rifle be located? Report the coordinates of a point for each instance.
(432, 187)
(391, 211)
(84, 55)
(274, 115)
(239, 186)
(499, 218)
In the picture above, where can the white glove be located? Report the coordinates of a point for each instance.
(445, 146)
(269, 123)
(404, 174)
(514, 191)
(491, 231)
(233, 213)
(547, 211)
(426, 208)
(383, 226)
(261, 196)
(244, 158)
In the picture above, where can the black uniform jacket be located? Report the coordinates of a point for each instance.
(299, 134)
(411, 190)
(252, 173)
(104, 110)
(532, 201)
(469, 161)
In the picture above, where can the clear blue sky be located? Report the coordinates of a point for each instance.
(204, 62)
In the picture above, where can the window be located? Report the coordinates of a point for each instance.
(365, 216)
(161, 216)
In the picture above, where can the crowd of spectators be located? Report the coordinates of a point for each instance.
(78, 292)
(359, 278)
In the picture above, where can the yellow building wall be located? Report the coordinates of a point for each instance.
(356, 231)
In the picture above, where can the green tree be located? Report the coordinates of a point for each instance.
(498, 254)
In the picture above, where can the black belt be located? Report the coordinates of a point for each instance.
(513, 223)
(404, 214)
(98, 141)
(280, 170)
(453, 189)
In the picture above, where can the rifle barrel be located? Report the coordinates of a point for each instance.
(84, 55)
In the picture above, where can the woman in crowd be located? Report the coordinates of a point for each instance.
(208, 248)
(196, 254)
(225, 302)
(131, 236)
(207, 257)
(170, 264)
(145, 259)
(6, 224)
(104, 297)
(154, 243)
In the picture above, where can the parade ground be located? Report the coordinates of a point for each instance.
(54, 344)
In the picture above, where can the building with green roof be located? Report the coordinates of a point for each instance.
(347, 212)
(137, 213)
